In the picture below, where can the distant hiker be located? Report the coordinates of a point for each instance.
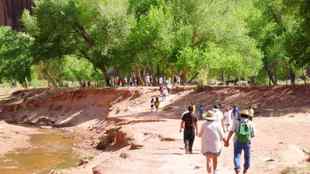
(163, 92)
(166, 91)
(251, 111)
(235, 112)
(200, 112)
(227, 118)
(189, 124)
(212, 138)
(161, 80)
(169, 85)
(244, 131)
(178, 80)
(131, 81)
(157, 103)
(148, 80)
(218, 114)
(152, 104)
(194, 108)
(125, 81)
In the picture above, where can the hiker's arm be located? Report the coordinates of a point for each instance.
(222, 122)
(182, 125)
(196, 127)
(200, 131)
(221, 134)
(230, 134)
(253, 131)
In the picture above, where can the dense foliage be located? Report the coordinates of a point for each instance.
(89, 40)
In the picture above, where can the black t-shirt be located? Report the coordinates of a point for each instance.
(189, 120)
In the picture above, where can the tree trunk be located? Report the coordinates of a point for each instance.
(193, 77)
(272, 77)
(292, 75)
(106, 76)
(222, 76)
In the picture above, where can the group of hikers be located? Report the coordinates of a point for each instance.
(217, 131)
(147, 80)
(164, 90)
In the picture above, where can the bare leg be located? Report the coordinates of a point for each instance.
(209, 163)
(214, 162)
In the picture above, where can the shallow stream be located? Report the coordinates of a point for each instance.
(51, 149)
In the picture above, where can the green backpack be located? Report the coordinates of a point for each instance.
(244, 132)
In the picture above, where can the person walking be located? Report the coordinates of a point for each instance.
(200, 112)
(244, 131)
(212, 138)
(227, 118)
(152, 104)
(157, 103)
(218, 115)
(251, 112)
(189, 124)
(235, 112)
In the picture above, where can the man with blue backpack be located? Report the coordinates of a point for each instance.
(244, 131)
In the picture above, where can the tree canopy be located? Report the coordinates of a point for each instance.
(74, 40)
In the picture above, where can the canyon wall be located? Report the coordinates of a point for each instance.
(11, 11)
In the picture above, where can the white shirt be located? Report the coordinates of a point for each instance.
(219, 115)
(211, 137)
(228, 117)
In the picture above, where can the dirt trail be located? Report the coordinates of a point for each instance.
(279, 143)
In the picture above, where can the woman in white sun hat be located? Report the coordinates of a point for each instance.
(212, 138)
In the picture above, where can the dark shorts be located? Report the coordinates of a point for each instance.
(189, 134)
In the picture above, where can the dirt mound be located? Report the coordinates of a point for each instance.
(62, 107)
(113, 139)
(269, 101)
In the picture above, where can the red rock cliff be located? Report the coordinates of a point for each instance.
(11, 11)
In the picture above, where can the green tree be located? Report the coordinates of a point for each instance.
(15, 56)
(96, 30)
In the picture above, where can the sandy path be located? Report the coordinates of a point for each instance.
(279, 144)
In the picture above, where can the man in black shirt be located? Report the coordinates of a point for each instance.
(189, 124)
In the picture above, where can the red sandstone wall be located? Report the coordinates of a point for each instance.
(11, 11)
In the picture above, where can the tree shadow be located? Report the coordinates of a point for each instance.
(268, 101)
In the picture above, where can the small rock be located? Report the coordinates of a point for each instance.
(166, 138)
(269, 160)
(124, 155)
(82, 162)
(135, 146)
(197, 167)
(98, 170)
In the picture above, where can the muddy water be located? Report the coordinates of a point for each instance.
(50, 150)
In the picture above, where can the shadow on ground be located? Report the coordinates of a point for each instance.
(268, 101)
